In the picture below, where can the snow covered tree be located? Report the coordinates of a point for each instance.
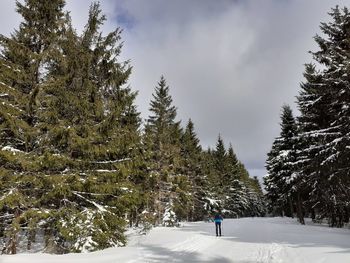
(280, 180)
(236, 199)
(215, 169)
(312, 122)
(324, 120)
(228, 185)
(312, 167)
(258, 200)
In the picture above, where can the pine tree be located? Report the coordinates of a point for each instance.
(209, 174)
(162, 139)
(280, 182)
(161, 123)
(79, 177)
(220, 157)
(215, 170)
(324, 121)
(255, 199)
(233, 163)
(229, 186)
(236, 201)
(191, 155)
(94, 125)
(312, 132)
(23, 63)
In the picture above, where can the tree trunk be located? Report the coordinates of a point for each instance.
(300, 209)
(31, 238)
(313, 214)
(291, 206)
(11, 247)
(346, 215)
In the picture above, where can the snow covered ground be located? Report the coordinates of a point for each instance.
(247, 240)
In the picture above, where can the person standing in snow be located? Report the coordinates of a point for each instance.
(217, 220)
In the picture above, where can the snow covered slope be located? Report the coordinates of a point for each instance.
(248, 240)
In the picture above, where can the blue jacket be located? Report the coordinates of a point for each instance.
(218, 219)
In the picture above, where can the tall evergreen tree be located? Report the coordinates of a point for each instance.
(220, 157)
(23, 58)
(162, 139)
(216, 170)
(257, 206)
(162, 121)
(236, 200)
(191, 155)
(78, 177)
(280, 182)
(229, 187)
(324, 121)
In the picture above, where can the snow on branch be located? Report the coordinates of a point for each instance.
(2, 83)
(95, 194)
(99, 207)
(10, 149)
(7, 194)
(114, 161)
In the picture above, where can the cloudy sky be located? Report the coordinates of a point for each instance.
(230, 64)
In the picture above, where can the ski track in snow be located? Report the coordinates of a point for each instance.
(247, 240)
(271, 253)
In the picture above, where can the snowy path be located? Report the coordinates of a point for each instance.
(249, 240)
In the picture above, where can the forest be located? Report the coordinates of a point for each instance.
(78, 165)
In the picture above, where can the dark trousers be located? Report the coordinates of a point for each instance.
(218, 228)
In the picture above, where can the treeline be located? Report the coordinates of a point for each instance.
(309, 163)
(76, 168)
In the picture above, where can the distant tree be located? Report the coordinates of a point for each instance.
(229, 187)
(220, 157)
(236, 199)
(191, 154)
(162, 121)
(280, 182)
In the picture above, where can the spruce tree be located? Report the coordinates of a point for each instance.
(93, 124)
(229, 186)
(209, 175)
(215, 170)
(78, 178)
(191, 155)
(324, 120)
(24, 56)
(236, 201)
(220, 164)
(280, 182)
(162, 140)
(162, 121)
